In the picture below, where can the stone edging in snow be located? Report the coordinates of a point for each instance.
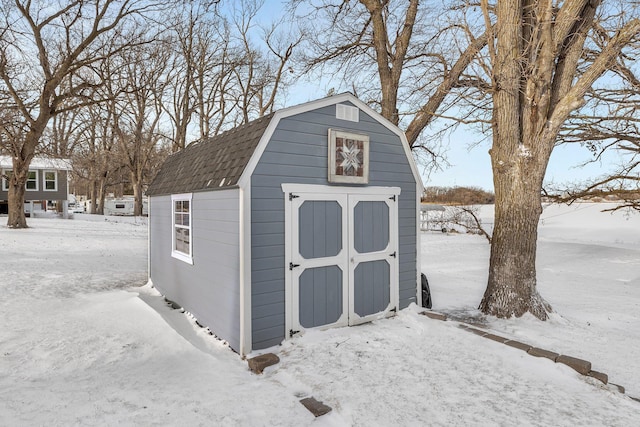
(581, 366)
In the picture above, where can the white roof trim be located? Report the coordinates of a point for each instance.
(39, 163)
(320, 103)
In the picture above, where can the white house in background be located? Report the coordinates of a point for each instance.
(47, 184)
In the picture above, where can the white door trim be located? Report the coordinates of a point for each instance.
(356, 258)
(320, 192)
(340, 259)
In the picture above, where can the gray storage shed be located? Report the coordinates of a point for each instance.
(305, 218)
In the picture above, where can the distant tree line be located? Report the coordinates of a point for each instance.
(458, 196)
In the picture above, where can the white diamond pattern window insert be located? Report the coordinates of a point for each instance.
(348, 157)
(182, 244)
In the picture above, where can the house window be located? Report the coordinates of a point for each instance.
(32, 181)
(31, 184)
(50, 181)
(181, 232)
(5, 181)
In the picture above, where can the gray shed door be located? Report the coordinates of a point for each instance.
(343, 257)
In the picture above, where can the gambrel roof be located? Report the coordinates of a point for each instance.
(216, 162)
(228, 160)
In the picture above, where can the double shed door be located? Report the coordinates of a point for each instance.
(343, 264)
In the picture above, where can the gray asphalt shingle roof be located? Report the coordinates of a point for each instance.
(216, 162)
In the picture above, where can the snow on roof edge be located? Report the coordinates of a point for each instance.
(39, 163)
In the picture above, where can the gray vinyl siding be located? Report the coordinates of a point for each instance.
(297, 153)
(59, 194)
(210, 288)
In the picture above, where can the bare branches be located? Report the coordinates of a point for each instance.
(45, 56)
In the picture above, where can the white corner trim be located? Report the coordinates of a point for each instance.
(245, 270)
(149, 281)
(288, 293)
(418, 251)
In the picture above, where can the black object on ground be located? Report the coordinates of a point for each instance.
(426, 292)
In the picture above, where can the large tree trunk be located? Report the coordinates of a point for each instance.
(102, 195)
(518, 159)
(17, 187)
(511, 289)
(94, 196)
(136, 183)
(17, 183)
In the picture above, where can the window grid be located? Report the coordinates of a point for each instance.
(182, 244)
(32, 181)
(30, 185)
(50, 181)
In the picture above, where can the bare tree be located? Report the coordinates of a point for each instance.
(213, 58)
(608, 122)
(227, 68)
(137, 109)
(390, 54)
(521, 66)
(189, 38)
(539, 75)
(44, 44)
(93, 158)
(261, 74)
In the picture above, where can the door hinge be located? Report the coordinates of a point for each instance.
(292, 266)
(292, 333)
(393, 254)
(292, 196)
(393, 198)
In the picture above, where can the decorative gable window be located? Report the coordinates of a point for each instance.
(348, 157)
(50, 181)
(181, 236)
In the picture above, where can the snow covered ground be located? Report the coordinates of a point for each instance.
(83, 342)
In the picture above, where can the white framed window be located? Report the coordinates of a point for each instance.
(50, 181)
(182, 239)
(5, 181)
(32, 181)
(30, 185)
